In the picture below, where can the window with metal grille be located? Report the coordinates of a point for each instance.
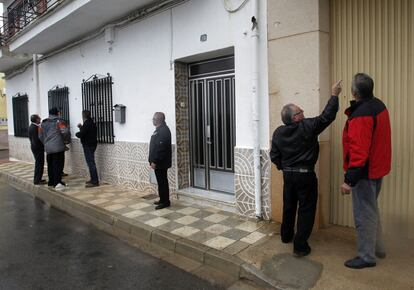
(59, 98)
(97, 98)
(21, 115)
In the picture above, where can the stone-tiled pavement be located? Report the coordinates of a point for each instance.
(212, 227)
(256, 243)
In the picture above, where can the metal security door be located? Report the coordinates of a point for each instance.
(212, 133)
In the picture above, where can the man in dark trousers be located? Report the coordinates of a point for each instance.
(160, 158)
(367, 159)
(88, 135)
(38, 149)
(295, 150)
(54, 134)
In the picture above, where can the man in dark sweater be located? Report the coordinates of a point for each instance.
(38, 149)
(295, 150)
(88, 135)
(160, 158)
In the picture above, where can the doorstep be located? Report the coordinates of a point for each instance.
(223, 201)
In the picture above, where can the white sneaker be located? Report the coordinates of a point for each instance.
(59, 186)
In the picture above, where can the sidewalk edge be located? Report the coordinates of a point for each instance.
(123, 227)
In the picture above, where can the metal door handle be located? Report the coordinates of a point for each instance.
(208, 135)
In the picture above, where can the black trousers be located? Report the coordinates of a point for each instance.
(299, 188)
(163, 188)
(55, 162)
(39, 156)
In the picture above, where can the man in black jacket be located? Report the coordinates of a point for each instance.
(38, 149)
(88, 135)
(160, 158)
(295, 150)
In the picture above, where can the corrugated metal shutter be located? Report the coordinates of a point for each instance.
(377, 37)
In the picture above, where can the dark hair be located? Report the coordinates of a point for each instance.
(34, 118)
(86, 114)
(363, 86)
(287, 114)
(54, 111)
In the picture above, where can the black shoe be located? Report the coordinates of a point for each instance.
(87, 182)
(302, 253)
(64, 174)
(380, 255)
(91, 185)
(157, 202)
(162, 205)
(358, 263)
(287, 241)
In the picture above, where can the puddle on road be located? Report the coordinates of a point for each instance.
(292, 272)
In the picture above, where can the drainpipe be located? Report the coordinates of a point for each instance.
(255, 109)
(36, 83)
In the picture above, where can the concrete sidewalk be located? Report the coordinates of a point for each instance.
(239, 247)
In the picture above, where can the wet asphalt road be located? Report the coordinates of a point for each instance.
(43, 248)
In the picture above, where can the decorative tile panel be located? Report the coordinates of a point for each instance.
(19, 148)
(182, 125)
(244, 182)
(123, 163)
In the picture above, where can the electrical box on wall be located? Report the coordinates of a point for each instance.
(120, 113)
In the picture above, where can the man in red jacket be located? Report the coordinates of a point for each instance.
(367, 159)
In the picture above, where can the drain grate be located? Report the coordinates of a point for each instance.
(150, 196)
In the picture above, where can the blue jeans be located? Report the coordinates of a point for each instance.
(367, 218)
(89, 152)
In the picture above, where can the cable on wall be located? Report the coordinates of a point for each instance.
(233, 10)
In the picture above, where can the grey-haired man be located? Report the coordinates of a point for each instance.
(37, 148)
(295, 150)
(160, 158)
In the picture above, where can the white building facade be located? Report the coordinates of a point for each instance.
(191, 60)
(220, 70)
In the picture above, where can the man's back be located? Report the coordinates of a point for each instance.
(53, 133)
(296, 144)
(367, 140)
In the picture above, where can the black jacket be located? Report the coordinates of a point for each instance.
(296, 145)
(88, 133)
(160, 147)
(35, 142)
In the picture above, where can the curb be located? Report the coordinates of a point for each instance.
(123, 227)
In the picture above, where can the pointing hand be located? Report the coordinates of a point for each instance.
(337, 88)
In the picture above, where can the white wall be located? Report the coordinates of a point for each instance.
(22, 84)
(140, 66)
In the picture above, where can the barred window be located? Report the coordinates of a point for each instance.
(59, 98)
(97, 98)
(21, 115)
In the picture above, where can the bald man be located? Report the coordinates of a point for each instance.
(37, 149)
(295, 150)
(160, 158)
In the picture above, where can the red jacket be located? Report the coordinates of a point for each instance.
(366, 141)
